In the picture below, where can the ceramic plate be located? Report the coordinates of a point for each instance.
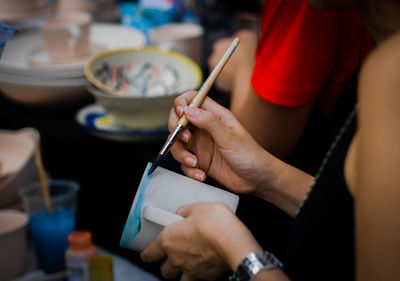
(19, 53)
(96, 120)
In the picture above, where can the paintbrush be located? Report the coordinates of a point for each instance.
(43, 179)
(196, 102)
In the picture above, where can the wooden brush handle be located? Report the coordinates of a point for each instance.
(205, 88)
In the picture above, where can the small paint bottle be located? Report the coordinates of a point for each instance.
(101, 268)
(80, 250)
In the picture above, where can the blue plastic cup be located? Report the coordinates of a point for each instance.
(49, 231)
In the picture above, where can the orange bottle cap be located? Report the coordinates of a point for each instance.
(80, 239)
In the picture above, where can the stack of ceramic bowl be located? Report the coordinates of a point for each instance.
(28, 75)
(135, 90)
(25, 14)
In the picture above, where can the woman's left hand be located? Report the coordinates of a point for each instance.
(209, 241)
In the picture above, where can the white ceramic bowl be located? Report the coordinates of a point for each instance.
(47, 83)
(17, 157)
(13, 226)
(20, 51)
(135, 113)
(36, 91)
(137, 87)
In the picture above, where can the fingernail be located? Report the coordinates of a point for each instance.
(185, 136)
(179, 110)
(191, 161)
(200, 177)
(179, 211)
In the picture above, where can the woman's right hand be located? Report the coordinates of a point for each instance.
(217, 145)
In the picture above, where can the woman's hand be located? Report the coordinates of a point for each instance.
(217, 145)
(203, 245)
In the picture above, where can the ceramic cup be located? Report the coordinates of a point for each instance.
(157, 199)
(66, 35)
(13, 226)
(185, 38)
(76, 5)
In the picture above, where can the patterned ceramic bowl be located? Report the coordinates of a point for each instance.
(142, 72)
(138, 86)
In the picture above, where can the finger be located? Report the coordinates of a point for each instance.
(172, 120)
(187, 277)
(194, 173)
(153, 252)
(183, 156)
(212, 106)
(217, 124)
(208, 104)
(176, 111)
(183, 100)
(185, 135)
(168, 270)
(187, 210)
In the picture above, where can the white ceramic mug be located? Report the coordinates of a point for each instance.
(185, 38)
(157, 199)
(66, 35)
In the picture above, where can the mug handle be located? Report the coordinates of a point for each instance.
(160, 216)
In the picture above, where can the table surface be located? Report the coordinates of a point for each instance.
(123, 270)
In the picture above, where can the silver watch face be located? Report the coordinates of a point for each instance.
(253, 264)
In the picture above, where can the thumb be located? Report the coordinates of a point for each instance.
(189, 209)
(184, 210)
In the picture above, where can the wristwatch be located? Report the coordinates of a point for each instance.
(253, 264)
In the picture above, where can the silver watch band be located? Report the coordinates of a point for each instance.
(253, 263)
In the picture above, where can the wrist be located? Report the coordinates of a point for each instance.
(235, 244)
(254, 263)
(266, 175)
(282, 185)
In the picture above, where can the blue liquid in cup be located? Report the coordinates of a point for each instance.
(49, 233)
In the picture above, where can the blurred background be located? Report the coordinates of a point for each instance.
(85, 91)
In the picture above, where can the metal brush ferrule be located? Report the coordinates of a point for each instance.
(171, 139)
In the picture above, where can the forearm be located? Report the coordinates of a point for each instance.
(277, 129)
(241, 88)
(282, 185)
